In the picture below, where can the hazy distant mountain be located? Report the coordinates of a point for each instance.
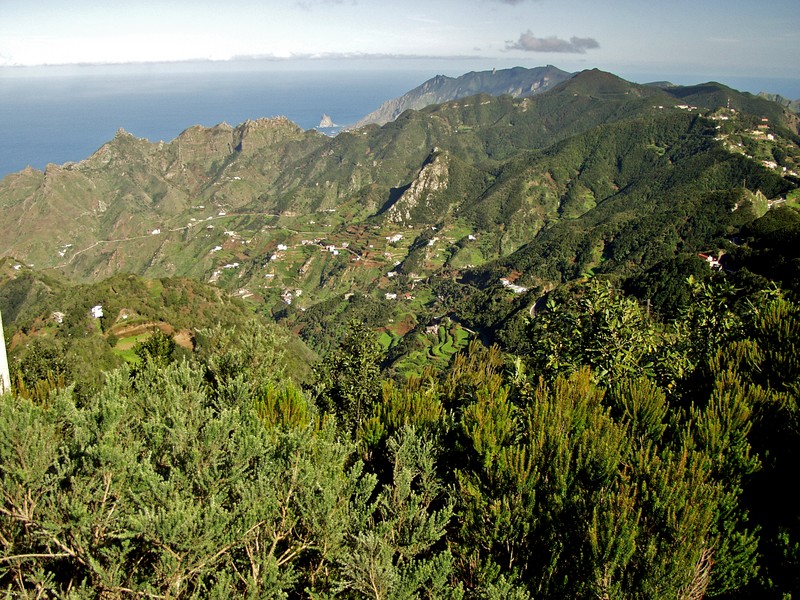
(793, 105)
(517, 82)
(664, 85)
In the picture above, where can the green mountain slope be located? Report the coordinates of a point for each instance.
(595, 175)
(633, 194)
(47, 318)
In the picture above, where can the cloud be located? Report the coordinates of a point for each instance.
(310, 4)
(300, 56)
(530, 43)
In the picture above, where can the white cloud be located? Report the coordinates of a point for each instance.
(310, 4)
(530, 43)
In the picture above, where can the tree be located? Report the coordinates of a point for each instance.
(598, 326)
(557, 497)
(153, 488)
(158, 348)
(42, 367)
(150, 488)
(348, 379)
(241, 361)
(761, 372)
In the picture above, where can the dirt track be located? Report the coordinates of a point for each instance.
(182, 337)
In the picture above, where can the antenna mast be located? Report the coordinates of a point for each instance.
(5, 378)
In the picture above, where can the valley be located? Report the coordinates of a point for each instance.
(483, 197)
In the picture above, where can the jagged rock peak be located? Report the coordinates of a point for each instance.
(326, 121)
(26, 172)
(272, 124)
(267, 122)
(435, 82)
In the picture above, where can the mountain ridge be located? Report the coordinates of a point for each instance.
(492, 174)
(793, 105)
(517, 82)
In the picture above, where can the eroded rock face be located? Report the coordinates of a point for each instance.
(419, 198)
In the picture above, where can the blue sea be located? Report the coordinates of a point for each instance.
(64, 114)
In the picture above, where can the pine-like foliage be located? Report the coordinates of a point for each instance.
(156, 487)
(348, 380)
(623, 458)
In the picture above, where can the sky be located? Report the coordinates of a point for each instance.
(692, 39)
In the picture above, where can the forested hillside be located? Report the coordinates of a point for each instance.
(596, 175)
(622, 456)
(499, 347)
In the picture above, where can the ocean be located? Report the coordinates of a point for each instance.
(58, 115)
(64, 114)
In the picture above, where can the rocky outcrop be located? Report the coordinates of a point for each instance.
(418, 201)
(326, 121)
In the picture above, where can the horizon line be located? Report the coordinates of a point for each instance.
(259, 57)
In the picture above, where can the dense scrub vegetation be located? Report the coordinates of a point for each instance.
(619, 456)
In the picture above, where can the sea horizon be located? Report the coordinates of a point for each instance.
(60, 119)
(64, 114)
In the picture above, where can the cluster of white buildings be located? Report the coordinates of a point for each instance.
(288, 296)
(517, 289)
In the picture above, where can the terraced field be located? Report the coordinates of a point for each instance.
(437, 345)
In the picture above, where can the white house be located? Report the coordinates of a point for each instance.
(97, 312)
(711, 260)
(517, 289)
